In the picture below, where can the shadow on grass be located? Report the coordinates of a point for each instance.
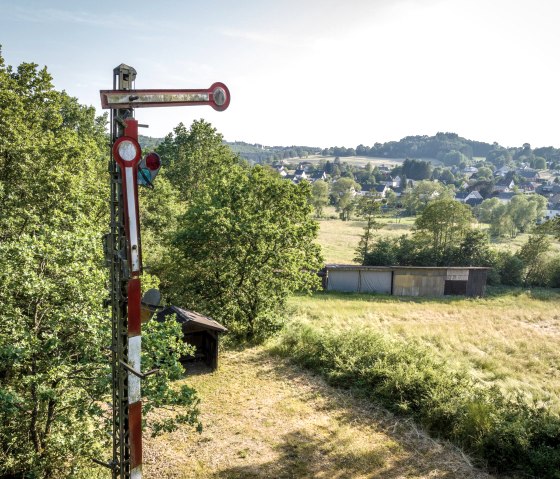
(402, 452)
(301, 455)
(544, 294)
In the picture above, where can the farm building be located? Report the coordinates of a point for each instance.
(405, 280)
(198, 331)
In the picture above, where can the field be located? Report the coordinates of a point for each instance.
(364, 160)
(339, 239)
(509, 339)
(266, 418)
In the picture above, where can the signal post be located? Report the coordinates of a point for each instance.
(123, 252)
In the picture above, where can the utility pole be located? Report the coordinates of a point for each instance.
(123, 252)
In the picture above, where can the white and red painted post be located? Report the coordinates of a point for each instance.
(124, 253)
(127, 154)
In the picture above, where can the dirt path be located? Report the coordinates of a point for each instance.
(264, 418)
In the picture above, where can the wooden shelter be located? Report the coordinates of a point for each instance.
(198, 331)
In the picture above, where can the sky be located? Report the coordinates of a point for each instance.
(312, 72)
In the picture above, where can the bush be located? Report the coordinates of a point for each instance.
(553, 268)
(510, 268)
(507, 434)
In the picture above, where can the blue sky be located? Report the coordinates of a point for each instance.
(319, 73)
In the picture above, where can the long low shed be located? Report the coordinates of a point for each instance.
(406, 280)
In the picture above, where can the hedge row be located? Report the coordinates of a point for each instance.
(505, 434)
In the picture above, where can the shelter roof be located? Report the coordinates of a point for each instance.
(185, 315)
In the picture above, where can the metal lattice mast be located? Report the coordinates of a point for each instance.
(123, 77)
(123, 252)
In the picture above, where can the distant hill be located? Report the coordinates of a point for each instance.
(267, 154)
(148, 142)
(255, 153)
(449, 148)
(423, 146)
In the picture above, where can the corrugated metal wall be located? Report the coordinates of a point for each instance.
(420, 282)
(360, 281)
(376, 281)
(344, 281)
(409, 281)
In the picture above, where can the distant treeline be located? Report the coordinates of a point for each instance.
(417, 147)
(449, 148)
(268, 154)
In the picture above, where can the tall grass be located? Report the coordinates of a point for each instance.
(506, 433)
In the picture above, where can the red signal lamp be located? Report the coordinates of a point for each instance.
(153, 161)
(148, 169)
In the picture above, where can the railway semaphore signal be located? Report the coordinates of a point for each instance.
(123, 252)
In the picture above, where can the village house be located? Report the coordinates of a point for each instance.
(473, 198)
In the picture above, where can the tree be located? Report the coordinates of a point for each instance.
(244, 244)
(417, 169)
(343, 192)
(519, 215)
(319, 196)
(53, 330)
(446, 176)
(52, 327)
(367, 208)
(484, 172)
(532, 254)
(454, 157)
(446, 223)
(191, 157)
(474, 250)
(539, 163)
(416, 199)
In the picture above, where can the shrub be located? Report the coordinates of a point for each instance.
(510, 268)
(508, 434)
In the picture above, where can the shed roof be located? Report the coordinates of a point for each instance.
(357, 267)
(184, 316)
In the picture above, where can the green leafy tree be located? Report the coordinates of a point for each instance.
(454, 157)
(417, 198)
(533, 254)
(244, 244)
(343, 193)
(368, 208)
(53, 330)
(539, 163)
(319, 196)
(191, 157)
(474, 250)
(446, 222)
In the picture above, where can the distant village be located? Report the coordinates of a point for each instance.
(505, 183)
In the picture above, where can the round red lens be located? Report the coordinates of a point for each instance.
(153, 161)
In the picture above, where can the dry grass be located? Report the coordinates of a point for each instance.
(339, 239)
(510, 340)
(265, 418)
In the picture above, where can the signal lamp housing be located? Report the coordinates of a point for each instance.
(148, 169)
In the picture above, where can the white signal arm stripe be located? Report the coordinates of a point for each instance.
(133, 227)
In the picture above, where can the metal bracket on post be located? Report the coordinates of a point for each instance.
(138, 374)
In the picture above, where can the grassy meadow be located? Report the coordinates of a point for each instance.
(483, 373)
(509, 338)
(263, 417)
(339, 239)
